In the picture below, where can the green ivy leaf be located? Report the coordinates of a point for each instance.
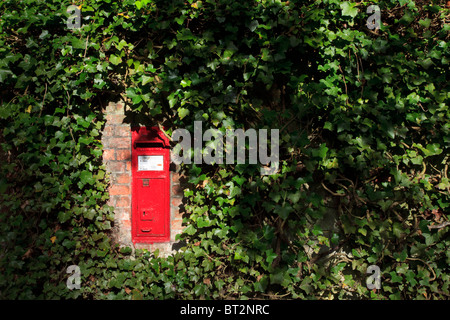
(397, 229)
(261, 285)
(115, 60)
(183, 112)
(395, 277)
(348, 9)
(185, 83)
(283, 211)
(270, 256)
(64, 216)
(190, 230)
(239, 180)
(86, 177)
(133, 95)
(146, 79)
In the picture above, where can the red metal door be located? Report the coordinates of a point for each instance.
(150, 207)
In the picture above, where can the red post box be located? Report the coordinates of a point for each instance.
(150, 160)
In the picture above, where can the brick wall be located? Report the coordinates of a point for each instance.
(116, 141)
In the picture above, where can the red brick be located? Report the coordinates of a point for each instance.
(125, 236)
(126, 223)
(164, 247)
(109, 108)
(177, 190)
(174, 231)
(106, 141)
(119, 190)
(122, 131)
(108, 131)
(128, 165)
(175, 176)
(176, 202)
(123, 178)
(115, 118)
(117, 107)
(123, 154)
(110, 202)
(116, 166)
(120, 143)
(114, 108)
(123, 213)
(108, 154)
(176, 213)
(123, 202)
(119, 214)
(147, 246)
(176, 224)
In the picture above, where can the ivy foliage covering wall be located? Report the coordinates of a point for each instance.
(364, 142)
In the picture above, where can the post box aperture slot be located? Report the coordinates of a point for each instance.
(145, 145)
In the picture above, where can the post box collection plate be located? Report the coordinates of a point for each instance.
(150, 185)
(150, 163)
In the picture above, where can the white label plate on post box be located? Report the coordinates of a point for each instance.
(150, 163)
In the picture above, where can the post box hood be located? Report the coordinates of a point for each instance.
(150, 135)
